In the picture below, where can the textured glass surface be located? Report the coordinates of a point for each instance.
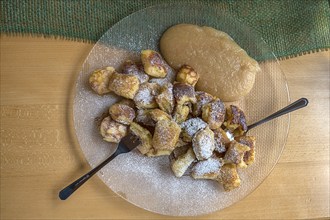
(149, 182)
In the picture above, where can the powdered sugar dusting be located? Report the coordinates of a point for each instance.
(211, 165)
(203, 144)
(191, 126)
(151, 179)
(146, 94)
(220, 146)
(130, 67)
(165, 99)
(207, 146)
(218, 110)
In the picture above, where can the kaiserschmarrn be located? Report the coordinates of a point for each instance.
(172, 119)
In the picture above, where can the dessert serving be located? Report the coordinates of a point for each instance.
(174, 119)
(149, 181)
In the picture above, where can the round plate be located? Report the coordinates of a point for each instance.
(149, 182)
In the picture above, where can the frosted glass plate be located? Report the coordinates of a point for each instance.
(148, 182)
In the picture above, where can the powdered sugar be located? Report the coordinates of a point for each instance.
(191, 126)
(203, 144)
(145, 96)
(218, 110)
(219, 141)
(207, 145)
(129, 67)
(166, 135)
(165, 99)
(209, 166)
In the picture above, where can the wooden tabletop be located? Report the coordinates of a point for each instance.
(40, 154)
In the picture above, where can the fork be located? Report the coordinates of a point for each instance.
(300, 103)
(127, 144)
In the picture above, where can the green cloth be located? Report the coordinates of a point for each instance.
(290, 28)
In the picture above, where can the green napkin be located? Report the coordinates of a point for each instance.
(290, 28)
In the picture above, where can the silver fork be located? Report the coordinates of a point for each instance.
(127, 144)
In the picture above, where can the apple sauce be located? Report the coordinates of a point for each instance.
(225, 69)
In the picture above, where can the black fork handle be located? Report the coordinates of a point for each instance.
(67, 191)
(300, 103)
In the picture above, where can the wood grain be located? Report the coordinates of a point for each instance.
(39, 152)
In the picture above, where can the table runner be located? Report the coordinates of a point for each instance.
(290, 28)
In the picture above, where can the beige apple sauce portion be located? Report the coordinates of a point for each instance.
(225, 69)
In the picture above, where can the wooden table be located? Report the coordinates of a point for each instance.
(40, 155)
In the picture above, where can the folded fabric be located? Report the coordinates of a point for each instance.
(290, 28)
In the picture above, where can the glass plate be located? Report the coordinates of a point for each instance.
(149, 182)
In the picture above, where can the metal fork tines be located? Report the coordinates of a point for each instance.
(127, 144)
